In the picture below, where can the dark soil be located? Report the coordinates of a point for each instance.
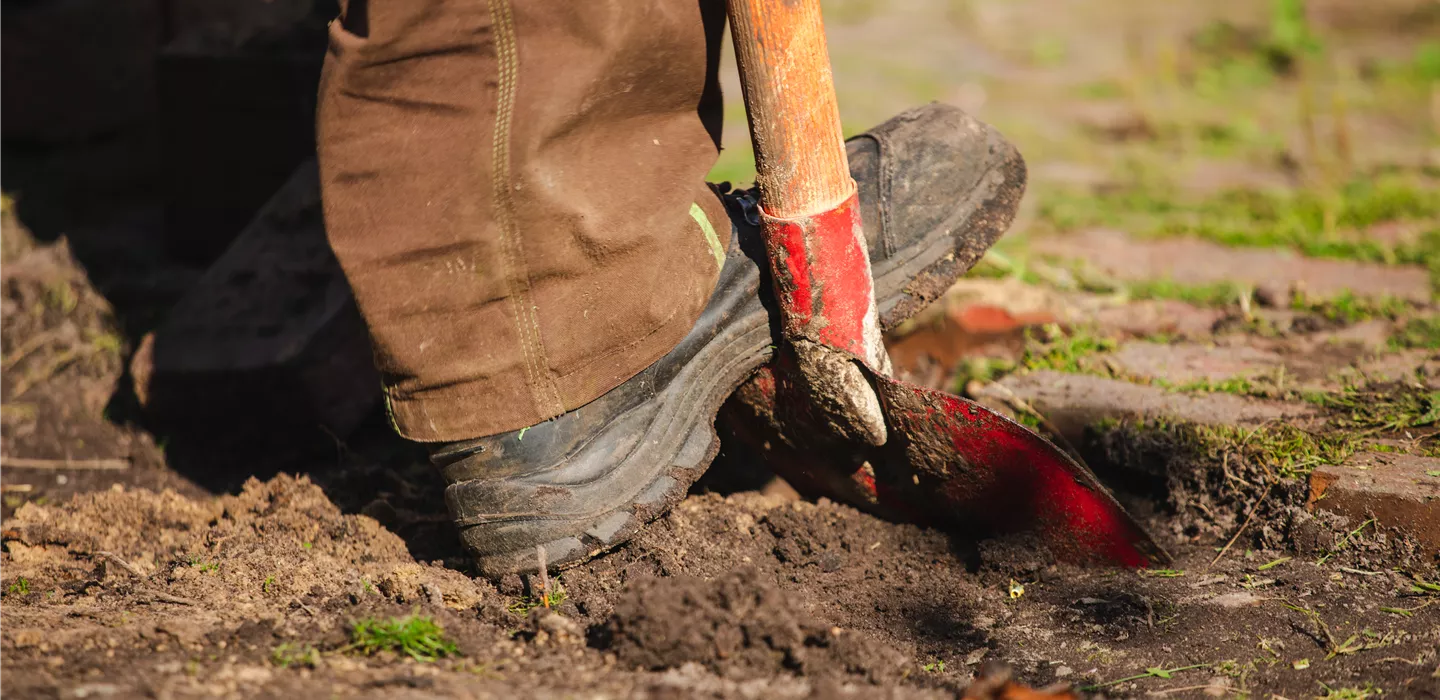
(141, 593)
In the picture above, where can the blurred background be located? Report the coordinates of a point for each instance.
(167, 289)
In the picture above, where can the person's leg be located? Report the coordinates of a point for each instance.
(516, 194)
(517, 198)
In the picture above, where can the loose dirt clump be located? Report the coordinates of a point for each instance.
(739, 624)
(263, 593)
(273, 541)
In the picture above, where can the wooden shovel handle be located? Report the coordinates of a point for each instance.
(790, 100)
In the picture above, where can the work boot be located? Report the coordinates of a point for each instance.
(936, 189)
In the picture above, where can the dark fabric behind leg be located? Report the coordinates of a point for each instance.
(516, 193)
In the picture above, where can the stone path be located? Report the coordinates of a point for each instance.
(1190, 261)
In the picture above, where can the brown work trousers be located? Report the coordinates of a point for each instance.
(516, 192)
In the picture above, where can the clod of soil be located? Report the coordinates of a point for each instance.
(741, 623)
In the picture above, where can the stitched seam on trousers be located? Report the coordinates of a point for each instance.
(698, 214)
(390, 411)
(546, 395)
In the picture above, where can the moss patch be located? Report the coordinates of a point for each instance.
(1310, 221)
(1211, 477)
(1423, 332)
(1056, 349)
(1382, 408)
(1217, 294)
(1347, 308)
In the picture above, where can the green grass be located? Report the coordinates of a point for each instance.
(1234, 138)
(1359, 411)
(1215, 294)
(1289, 451)
(1055, 349)
(1028, 418)
(1077, 274)
(1382, 408)
(1424, 587)
(1224, 79)
(1162, 573)
(1283, 450)
(981, 369)
(850, 12)
(1102, 90)
(1000, 264)
(1350, 692)
(1421, 70)
(1426, 64)
(1290, 34)
(1348, 308)
(1342, 544)
(525, 604)
(1345, 308)
(1423, 332)
(1295, 218)
(1153, 672)
(292, 654)
(735, 166)
(1227, 59)
(1310, 221)
(416, 636)
(20, 586)
(1240, 386)
(1048, 51)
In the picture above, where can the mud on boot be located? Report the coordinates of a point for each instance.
(936, 188)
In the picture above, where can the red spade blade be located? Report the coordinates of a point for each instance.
(949, 462)
(976, 463)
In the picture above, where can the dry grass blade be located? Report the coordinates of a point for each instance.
(33, 343)
(117, 560)
(1253, 510)
(162, 597)
(544, 575)
(58, 362)
(101, 464)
